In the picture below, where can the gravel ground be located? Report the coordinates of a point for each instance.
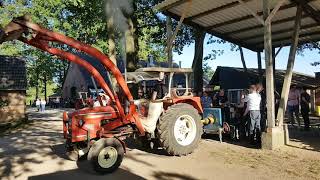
(36, 152)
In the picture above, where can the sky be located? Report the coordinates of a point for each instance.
(232, 58)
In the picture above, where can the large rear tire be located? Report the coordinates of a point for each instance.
(180, 129)
(106, 155)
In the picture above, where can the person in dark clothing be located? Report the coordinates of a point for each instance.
(263, 108)
(305, 108)
(221, 100)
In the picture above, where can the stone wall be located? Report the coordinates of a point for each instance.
(14, 109)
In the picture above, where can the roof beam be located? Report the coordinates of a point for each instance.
(244, 18)
(212, 32)
(301, 42)
(237, 20)
(309, 10)
(274, 11)
(215, 10)
(276, 40)
(261, 26)
(280, 31)
(177, 3)
(253, 13)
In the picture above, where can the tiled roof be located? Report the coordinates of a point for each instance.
(12, 73)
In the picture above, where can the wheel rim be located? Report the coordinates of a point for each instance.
(185, 130)
(107, 157)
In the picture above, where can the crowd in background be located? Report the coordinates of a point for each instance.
(252, 108)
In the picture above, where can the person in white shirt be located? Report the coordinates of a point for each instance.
(38, 104)
(253, 107)
(43, 104)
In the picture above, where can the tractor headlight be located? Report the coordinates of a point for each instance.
(81, 122)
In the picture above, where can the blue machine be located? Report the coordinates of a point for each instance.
(218, 123)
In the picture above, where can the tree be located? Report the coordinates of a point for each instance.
(197, 64)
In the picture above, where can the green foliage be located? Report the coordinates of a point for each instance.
(31, 92)
(86, 21)
(3, 103)
(207, 71)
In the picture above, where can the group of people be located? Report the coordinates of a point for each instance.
(219, 99)
(299, 101)
(253, 108)
(41, 105)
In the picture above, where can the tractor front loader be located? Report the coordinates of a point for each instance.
(171, 119)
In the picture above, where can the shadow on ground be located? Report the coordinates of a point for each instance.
(308, 140)
(80, 175)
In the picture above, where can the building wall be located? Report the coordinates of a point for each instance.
(15, 109)
(74, 79)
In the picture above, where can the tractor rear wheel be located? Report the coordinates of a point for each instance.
(180, 129)
(106, 155)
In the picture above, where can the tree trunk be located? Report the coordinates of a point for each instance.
(131, 46)
(243, 60)
(198, 60)
(112, 46)
(111, 40)
(37, 87)
(45, 87)
(169, 36)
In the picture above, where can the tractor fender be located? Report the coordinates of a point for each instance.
(193, 101)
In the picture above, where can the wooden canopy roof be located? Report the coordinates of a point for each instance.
(237, 20)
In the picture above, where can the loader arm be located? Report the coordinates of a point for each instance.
(41, 38)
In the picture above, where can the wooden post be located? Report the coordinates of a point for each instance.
(243, 60)
(274, 66)
(313, 100)
(269, 66)
(260, 67)
(169, 36)
(291, 59)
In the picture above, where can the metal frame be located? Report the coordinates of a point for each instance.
(42, 38)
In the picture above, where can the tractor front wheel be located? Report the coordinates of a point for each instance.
(106, 155)
(180, 129)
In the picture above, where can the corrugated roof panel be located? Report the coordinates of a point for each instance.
(287, 35)
(236, 26)
(165, 3)
(252, 22)
(199, 6)
(228, 14)
(288, 41)
(315, 5)
(275, 28)
(221, 20)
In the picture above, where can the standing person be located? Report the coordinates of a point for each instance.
(293, 104)
(206, 101)
(305, 108)
(38, 104)
(263, 108)
(241, 108)
(253, 105)
(221, 100)
(43, 104)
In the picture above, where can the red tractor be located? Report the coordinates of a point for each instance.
(167, 114)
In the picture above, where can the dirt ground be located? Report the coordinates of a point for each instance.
(36, 152)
